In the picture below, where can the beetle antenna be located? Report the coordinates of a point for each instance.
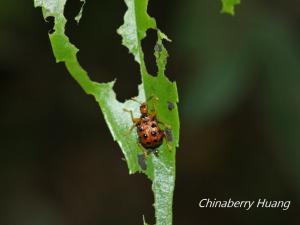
(134, 99)
(151, 97)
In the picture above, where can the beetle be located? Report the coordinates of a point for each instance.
(150, 135)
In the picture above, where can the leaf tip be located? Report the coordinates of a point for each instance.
(229, 6)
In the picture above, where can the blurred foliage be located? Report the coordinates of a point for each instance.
(228, 6)
(228, 73)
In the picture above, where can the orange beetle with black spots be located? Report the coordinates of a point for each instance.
(150, 135)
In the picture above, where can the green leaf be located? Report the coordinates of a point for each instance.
(228, 6)
(136, 23)
(161, 169)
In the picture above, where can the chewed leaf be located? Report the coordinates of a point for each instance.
(136, 23)
(161, 53)
(51, 7)
(228, 6)
(119, 122)
(160, 167)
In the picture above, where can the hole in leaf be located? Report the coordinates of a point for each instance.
(157, 9)
(148, 44)
(70, 12)
(72, 8)
(128, 76)
(101, 53)
(50, 23)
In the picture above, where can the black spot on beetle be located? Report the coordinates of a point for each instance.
(170, 105)
(169, 134)
(153, 125)
(145, 136)
(153, 133)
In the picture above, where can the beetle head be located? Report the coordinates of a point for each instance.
(144, 108)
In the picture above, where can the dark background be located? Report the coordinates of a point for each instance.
(239, 86)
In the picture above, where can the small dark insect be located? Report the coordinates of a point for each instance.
(170, 105)
(169, 134)
(158, 47)
(142, 161)
(150, 135)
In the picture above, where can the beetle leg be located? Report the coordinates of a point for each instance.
(134, 99)
(153, 114)
(129, 131)
(134, 120)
